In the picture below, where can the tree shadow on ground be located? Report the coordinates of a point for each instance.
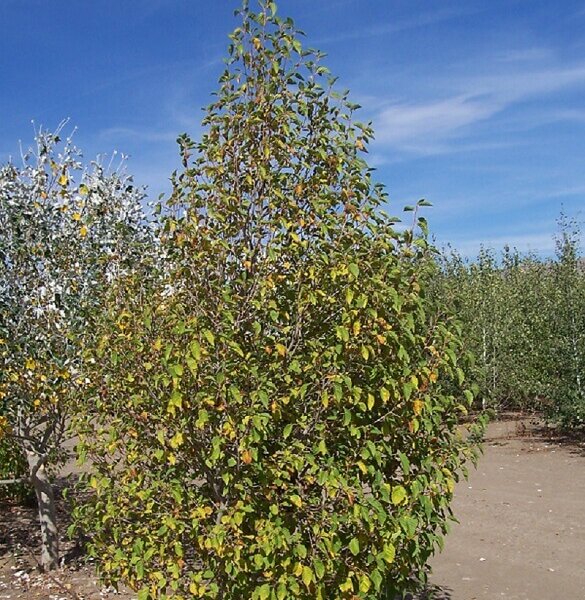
(573, 441)
(432, 592)
(19, 524)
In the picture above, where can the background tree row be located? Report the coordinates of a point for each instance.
(523, 319)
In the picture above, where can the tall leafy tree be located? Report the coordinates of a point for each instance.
(271, 421)
(66, 233)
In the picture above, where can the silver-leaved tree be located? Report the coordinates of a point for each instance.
(67, 232)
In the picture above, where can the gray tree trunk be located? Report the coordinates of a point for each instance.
(47, 511)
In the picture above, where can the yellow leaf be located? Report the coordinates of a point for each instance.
(389, 553)
(63, 180)
(418, 406)
(257, 43)
(246, 457)
(307, 576)
(298, 189)
(172, 459)
(176, 440)
(83, 231)
(399, 494)
(384, 394)
(281, 349)
(365, 584)
(76, 216)
(30, 364)
(357, 326)
(296, 500)
(433, 376)
(371, 401)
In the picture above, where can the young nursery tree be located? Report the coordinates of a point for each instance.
(62, 243)
(270, 419)
(566, 365)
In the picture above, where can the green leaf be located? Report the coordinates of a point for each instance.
(354, 269)
(264, 591)
(235, 393)
(354, 546)
(319, 569)
(209, 337)
(376, 579)
(195, 349)
(389, 553)
(409, 524)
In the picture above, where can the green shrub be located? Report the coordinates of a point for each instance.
(270, 419)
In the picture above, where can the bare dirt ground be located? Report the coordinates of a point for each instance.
(521, 531)
(521, 534)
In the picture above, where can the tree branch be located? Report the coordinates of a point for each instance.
(13, 481)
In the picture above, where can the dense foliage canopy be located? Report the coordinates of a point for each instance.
(269, 418)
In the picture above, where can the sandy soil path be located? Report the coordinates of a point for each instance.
(521, 531)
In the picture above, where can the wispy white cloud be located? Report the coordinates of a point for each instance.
(124, 134)
(531, 54)
(429, 127)
(398, 25)
(421, 127)
(522, 83)
(574, 190)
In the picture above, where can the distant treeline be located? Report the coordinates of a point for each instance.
(523, 321)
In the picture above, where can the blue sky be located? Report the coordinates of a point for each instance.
(478, 106)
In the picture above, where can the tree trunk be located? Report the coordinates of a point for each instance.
(47, 511)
